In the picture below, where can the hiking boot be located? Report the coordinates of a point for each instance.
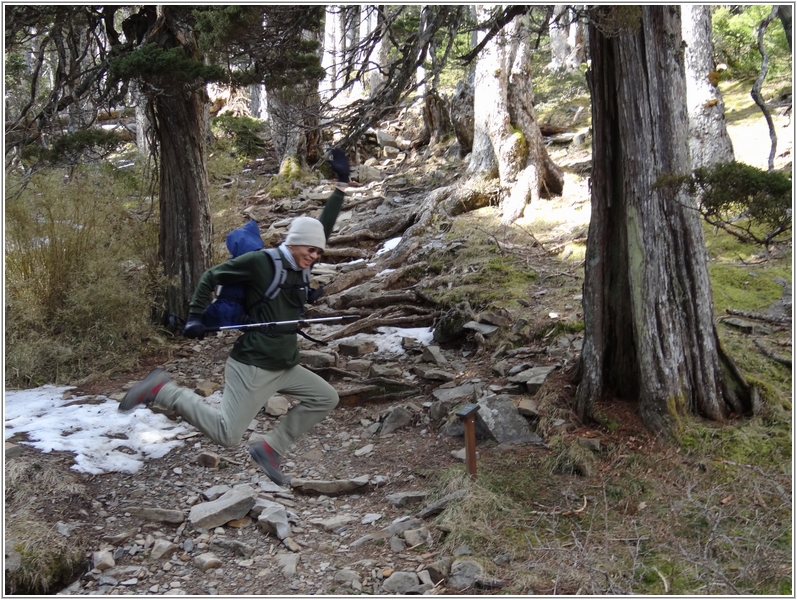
(268, 459)
(144, 392)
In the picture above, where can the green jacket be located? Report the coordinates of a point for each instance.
(256, 271)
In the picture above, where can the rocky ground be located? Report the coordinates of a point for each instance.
(359, 516)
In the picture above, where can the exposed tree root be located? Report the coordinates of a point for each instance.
(758, 316)
(441, 203)
(387, 317)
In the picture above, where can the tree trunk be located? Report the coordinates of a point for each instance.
(784, 14)
(506, 132)
(378, 56)
(184, 239)
(258, 104)
(143, 121)
(576, 39)
(558, 29)
(709, 142)
(332, 60)
(293, 114)
(566, 33)
(648, 306)
(420, 71)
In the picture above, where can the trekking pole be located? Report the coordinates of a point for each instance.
(298, 323)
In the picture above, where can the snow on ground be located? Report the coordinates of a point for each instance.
(102, 438)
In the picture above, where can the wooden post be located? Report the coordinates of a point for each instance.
(468, 415)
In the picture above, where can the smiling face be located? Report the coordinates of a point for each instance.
(305, 255)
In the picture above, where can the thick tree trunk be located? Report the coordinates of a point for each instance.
(184, 241)
(709, 142)
(567, 38)
(144, 127)
(648, 306)
(185, 236)
(293, 114)
(258, 103)
(577, 40)
(506, 134)
(376, 60)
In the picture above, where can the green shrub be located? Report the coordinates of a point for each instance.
(736, 41)
(749, 203)
(74, 148)
(244, 132)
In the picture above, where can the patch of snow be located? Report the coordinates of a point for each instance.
(388, 246)
(102, 438)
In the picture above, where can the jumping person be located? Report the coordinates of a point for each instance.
(261, 363)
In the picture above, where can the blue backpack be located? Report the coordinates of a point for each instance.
(229, 307)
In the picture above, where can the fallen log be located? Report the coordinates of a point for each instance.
(396, 276)
(383, 299)
(448, 201)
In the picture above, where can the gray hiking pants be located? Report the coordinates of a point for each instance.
(246, 391)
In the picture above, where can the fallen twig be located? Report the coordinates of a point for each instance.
(556, 511)
(769, 354)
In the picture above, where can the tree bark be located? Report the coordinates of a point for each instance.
(709, 142)
(507, 136)
(648, 306)
(558, 27)
(185, 236)
(293, 114)
(784, 14)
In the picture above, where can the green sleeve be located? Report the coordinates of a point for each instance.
(253, 269)
(331, 211)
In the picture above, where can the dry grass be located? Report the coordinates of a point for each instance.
(656, 520)
(36, 498)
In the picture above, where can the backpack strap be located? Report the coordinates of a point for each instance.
(279, 274)
(278, 282)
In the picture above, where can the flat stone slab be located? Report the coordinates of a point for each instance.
(228, 507)
(330, 488)
(483, 328)
(532, 378)
(461, 391)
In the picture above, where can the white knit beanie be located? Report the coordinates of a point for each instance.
(306, 231)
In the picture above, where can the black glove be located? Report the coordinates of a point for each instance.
(194, 328)
(314, 294)
(340, 165)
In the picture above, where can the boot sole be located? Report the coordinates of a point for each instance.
(274, 475)
(138, 393)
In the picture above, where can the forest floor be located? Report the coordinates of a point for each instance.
(708, 513)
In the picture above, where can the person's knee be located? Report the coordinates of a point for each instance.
(226, 437)
(332, 398)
